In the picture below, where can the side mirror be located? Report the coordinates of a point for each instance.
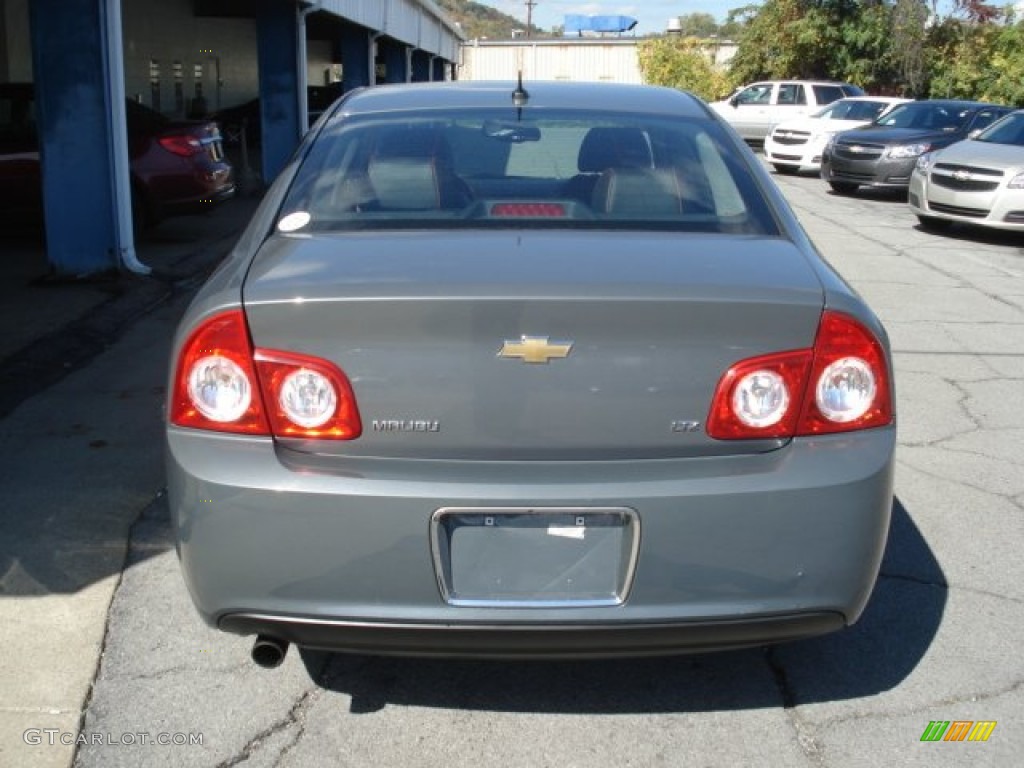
(974, 134)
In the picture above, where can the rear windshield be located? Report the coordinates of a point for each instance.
(494, 168)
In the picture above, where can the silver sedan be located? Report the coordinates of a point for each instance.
(977, 181)
(528, 371)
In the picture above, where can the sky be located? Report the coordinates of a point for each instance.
(652, 15)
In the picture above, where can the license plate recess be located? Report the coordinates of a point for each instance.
(526, 557)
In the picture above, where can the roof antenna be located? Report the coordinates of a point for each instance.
(520, 97)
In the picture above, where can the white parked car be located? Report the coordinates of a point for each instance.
(977, 181)
(755, 109)
(796, 145)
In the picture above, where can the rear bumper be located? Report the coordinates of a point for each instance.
(732, 551)
(531, 641)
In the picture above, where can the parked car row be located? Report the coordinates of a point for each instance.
(958, 161)
(883, 153)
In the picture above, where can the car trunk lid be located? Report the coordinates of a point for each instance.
(532, 345)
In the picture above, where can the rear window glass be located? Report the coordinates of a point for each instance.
(494, 168)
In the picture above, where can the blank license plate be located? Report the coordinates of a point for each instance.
(545, 557)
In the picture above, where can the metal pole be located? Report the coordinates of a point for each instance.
(124, 231)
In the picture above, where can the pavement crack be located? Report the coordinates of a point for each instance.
(912, 579)
(805, 737)
(948, 587)
(293, 717)
(139, 520)
(986, 490)
(926, 708)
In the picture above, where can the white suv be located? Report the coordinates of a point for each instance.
(755, 109)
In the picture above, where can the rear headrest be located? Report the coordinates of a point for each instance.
(410, 169)
(411, 141)
(405, 183)
(613, 147)
(638, 192)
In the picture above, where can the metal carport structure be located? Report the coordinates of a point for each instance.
(78, 66)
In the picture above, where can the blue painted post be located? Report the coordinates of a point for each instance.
(420, 66)
(70, 65)
(395, 65)
(354, 47)
(277, 34)
(439, 69)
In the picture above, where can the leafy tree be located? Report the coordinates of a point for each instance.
(1008, 63)
(908, 52)
(768, 45)
(977, 61)
(683, 63)
(698, 25)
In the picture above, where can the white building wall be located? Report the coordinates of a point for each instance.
(586, 62)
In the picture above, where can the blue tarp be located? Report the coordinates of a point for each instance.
(576, 24)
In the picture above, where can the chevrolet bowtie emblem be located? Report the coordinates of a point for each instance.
(535, 349)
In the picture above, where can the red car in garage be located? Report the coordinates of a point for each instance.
(176, 166)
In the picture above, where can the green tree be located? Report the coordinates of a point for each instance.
(908, 46)
(698, 25)
(833, 39)
(977, 61)
(683, 63)
(1008, 85)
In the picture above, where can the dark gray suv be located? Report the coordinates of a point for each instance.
(883, 153)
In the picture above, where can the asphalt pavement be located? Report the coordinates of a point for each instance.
(105, 651)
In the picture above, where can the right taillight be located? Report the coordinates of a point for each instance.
(849, 387)
(182, 145)
(839, 385)
(223, 384)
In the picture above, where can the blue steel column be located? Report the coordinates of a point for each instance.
(354, 47)
(439, 68)
(393, 54)
(277, 30)
(420, 66)
(70, 66)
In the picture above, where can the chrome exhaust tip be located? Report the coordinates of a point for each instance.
(269, 652)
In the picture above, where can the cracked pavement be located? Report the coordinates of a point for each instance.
(940, 639)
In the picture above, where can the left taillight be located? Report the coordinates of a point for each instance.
(223, 384)
(182, 145)
(840, 385)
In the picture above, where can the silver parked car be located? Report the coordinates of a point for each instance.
(512, 372)
(977, 181)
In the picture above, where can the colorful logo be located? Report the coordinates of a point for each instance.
(958, 730)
